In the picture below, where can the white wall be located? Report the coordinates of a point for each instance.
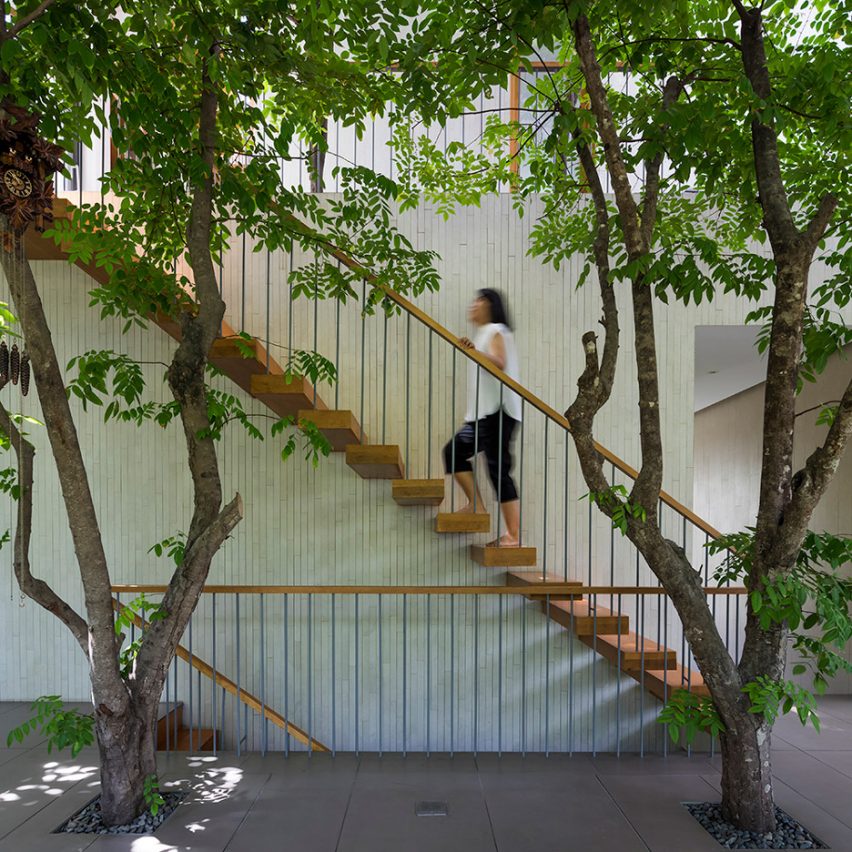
(328, 526)
(728, 446)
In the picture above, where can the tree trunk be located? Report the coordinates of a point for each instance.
(747, 774)
(126, 745)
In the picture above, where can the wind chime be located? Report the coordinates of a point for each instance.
(27, 165)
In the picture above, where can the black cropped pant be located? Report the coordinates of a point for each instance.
(485, 436)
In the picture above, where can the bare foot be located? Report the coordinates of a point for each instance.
(468, 510)
(505, 540)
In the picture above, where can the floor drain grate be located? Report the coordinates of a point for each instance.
(431, 809)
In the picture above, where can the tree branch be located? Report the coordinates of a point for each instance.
(819, 222)
(24, 22)
(33, 588)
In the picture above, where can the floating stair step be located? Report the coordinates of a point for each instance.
(283, 397)
(418, 492)
(339, 426)
(503, 557)
(229, 356)
(457, 522)
(634, 651)
(663, 683)
(585, 621)
(169, 720)
(375, 461)
(200, 739)
(536, 578)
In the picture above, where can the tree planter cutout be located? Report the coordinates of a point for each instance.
(88, 819)
(789, 833)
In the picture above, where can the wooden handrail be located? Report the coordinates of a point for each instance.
(226, 683)
(541, 589)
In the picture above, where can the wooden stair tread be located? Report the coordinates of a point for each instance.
(578, 614)
(663, 683)
(201, 739)
(468, 522)
(418, 492)
(166, 723)
(634, 651)
(375, 461)
(282, 396)
(338, 425)
(536, 578)
(503, 557)
(229, 356)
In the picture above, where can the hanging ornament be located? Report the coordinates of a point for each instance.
(25, 374)
(14, 363)
(4, 363)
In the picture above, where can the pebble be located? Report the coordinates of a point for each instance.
(788, 834)
(89, 821)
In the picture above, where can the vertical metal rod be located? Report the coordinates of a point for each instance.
(407, 395)
(213, 686)
(380, 673)
(452, 673)
(500, 675)
(316, 325)
(590, 542)
(618, 682)
(385, 379)
(355, 714)
(222, 715)
(237, 625)
(191, 714)
(428, 674)
(737, 629)
(476, 438)
(168, 716)
(521, 437)
(500, 465)
(363, 358)
(612, 549)
(523, 680)
(571, 682)
(547, 678)
(665, 678)
(475, 673)
(594, 673)
(310, 676)
(263, 725)
(286, 677)
(453, 444)
(429, 416)
(333, 680)
(175, 686)
(565, 517)
(642, 679)
(404, 673)
(337, 350)
(243, 288)
(545, 504)
(290, 310)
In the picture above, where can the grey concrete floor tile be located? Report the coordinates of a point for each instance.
(384, 820)
(813, 779)
(321, 772)
(310, 821)
(839, 760)
(10, 706)
(833, 733)
(514, 770)
(578, 814)
(839, 706)
(653, 804)
(652, 764)
(439, 772)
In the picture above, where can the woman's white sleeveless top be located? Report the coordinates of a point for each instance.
(489, 386)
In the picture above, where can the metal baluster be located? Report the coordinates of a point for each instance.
(547, 678)
(571, 681)
(500, 676)
(316, 324)
(523, 681)
(263, 725)
(665, 672)
(243, 288)
(407, 394)
(452, 673)
(356, 675)
(385, 379)
(363, 358)
(618, 682)
(594, 670)
(333, 680)
(213, 686)
(521, 480)
(475, 673)
(428, 672)
(500, 466)
(737, 629)
(239, 727)
(310, 677)
(612, 550)
(286, 679)
(429, 417)
(404, 672)
(476, 438)
(191, 714)
(290, 314)
(381, 698)
(168, 715)
(545, 504)
(565, 517)
(337, 349)
(641, 677)
(590, 542)
(175, 678)
(453, 444)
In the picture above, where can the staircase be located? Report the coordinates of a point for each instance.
(173, 735)
(254, 370)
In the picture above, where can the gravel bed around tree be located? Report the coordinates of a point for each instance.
(89, 820)
(789, 833)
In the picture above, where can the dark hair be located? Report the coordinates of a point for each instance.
(499, 312)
